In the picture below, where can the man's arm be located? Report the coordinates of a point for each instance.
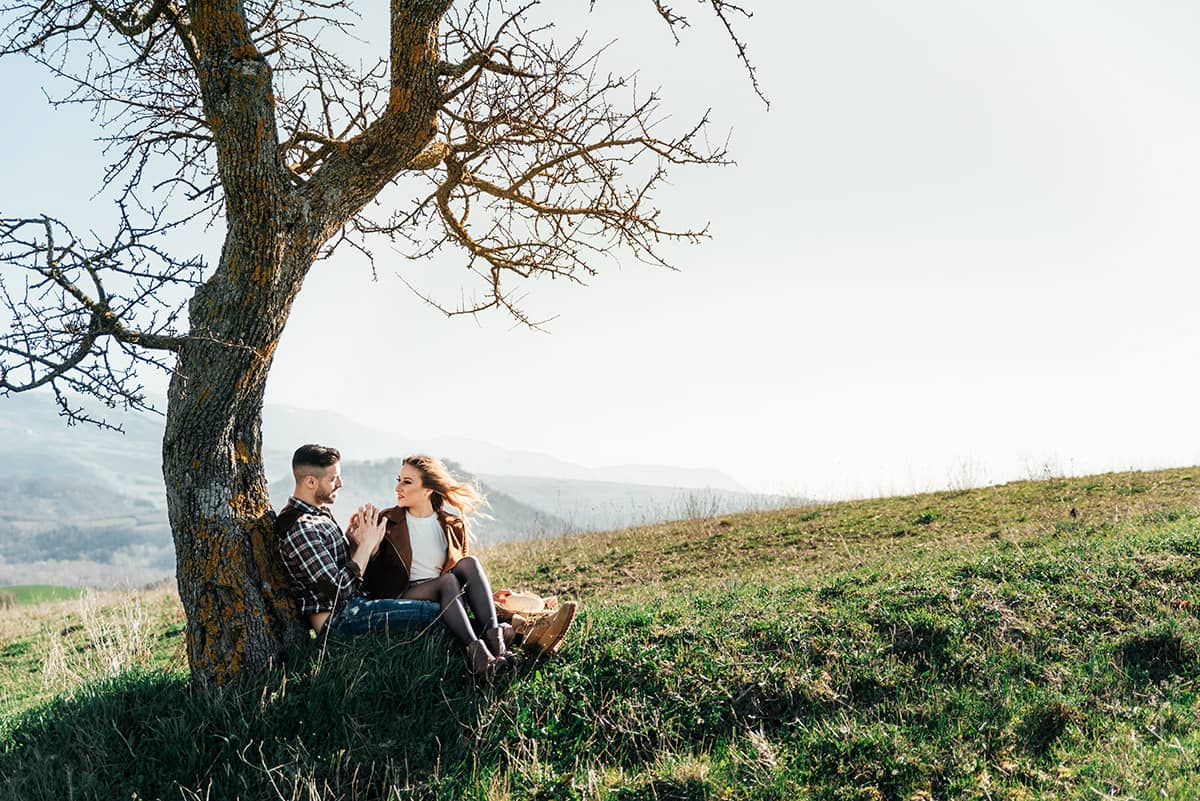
(308, 553)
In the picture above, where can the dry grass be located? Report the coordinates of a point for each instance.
(817, 540)
(67, 643)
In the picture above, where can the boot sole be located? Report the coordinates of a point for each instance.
(552, 647)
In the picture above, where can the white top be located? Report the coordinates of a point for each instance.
(428, 546)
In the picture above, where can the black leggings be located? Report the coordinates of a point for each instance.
(465, 581)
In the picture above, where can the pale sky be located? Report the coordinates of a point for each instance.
(959, 248)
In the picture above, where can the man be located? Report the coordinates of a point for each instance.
(325, 566)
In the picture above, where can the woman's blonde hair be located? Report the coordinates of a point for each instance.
(460, 494)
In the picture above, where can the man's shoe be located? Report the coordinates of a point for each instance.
(546, 633)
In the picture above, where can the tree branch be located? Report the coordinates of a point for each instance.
(542, 169)
(87, 340)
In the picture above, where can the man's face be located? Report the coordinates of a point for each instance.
(328, 482)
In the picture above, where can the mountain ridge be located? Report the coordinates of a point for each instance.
(84, 506)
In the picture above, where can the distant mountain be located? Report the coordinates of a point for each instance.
(35, 442)
(286, 427)
(79, 505)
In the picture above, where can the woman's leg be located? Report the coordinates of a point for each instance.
(447, 591)
(470, 573)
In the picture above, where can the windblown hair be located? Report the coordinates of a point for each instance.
(310, 458)
(446, 489)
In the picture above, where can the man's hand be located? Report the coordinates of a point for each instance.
(365, 533)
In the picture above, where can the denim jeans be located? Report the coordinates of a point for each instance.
(398, 615)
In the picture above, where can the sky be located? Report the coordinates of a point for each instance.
(959, 248)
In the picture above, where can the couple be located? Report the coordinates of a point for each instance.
(398, 569)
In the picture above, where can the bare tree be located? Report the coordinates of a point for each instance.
(516, 149)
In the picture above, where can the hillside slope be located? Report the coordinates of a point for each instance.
(821, 539)
(1037, 640)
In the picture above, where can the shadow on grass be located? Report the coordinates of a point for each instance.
(873, 687)
(1158, 654)
(361, 716)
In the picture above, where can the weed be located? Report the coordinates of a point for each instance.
(1043, 723)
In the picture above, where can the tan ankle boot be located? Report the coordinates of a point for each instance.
(546, 633)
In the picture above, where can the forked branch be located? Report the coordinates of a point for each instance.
(546, 166)
(84, 315)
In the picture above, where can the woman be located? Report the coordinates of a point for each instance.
(424, 557)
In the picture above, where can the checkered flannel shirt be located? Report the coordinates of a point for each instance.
(317, 560)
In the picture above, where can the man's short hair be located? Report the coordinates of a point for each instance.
(317, 457)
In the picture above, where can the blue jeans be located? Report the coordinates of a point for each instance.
(397, 615)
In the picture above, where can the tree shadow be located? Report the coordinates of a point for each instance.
(357, 717)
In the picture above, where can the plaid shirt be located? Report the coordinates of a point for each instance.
(317, 560)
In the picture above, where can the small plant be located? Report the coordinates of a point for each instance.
(928, 516)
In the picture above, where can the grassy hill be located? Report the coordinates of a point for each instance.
(39, 593)
(1035, 640)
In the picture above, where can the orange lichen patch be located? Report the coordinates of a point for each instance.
(248, 507)
(252, 374)
(259, 129)
(261, 275)
(218, 644)
(402, 98)
(242, 453)
(417, 53)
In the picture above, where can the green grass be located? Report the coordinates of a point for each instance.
(39, 593)
(1001, 647)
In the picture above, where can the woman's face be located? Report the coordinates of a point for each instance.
(410, 491)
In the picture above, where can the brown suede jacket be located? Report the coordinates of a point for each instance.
(386, 575)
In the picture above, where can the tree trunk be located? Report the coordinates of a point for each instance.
(240, 614)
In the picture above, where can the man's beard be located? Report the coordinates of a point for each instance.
(327, 498)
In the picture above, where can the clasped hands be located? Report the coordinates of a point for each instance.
(366, 529)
